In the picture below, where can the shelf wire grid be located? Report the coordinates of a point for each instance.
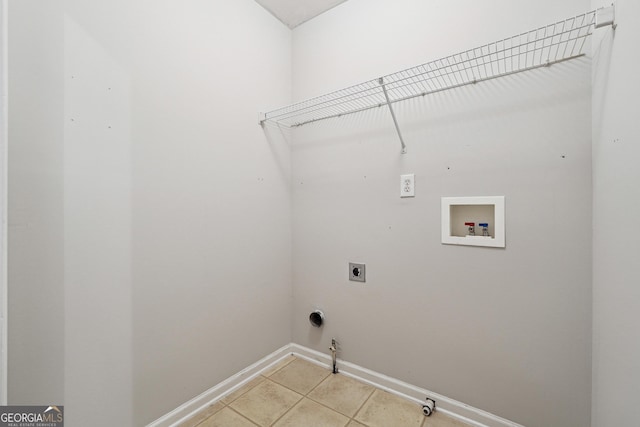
(544, 46)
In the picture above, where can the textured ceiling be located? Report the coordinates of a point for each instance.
(294, 12)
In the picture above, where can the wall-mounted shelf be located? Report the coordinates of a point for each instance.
(485, 213)
(544, 46)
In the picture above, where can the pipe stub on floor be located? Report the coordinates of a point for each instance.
(429, 407)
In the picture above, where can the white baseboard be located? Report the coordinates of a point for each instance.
(468, 414)
(453, 408)
(217, 392)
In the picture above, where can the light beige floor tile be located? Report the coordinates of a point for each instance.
(384, 409)
(342, 394)
(300, 375)
(309, 413)
(266, 402)
(226, 418)
(242, 390)
(281, 364)
(203, 415)
(438, 419)
(355, 424)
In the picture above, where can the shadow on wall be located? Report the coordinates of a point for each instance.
(601, 68)
(513, 94)
(279, 140)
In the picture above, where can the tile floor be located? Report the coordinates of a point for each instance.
(297, 393)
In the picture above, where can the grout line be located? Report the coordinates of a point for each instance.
(316, 386)
(243, 416)
(324, 405)
(451, 408)
(288, 410)
(288, 388)
(306, 395)
(283, 366)
(257, 383)
(275, 383)
(351, 417)
(302, 396)
(363, 404)
(295, 391)
(187, 422)
(320, 403)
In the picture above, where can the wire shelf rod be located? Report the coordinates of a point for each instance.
(543, 46)
(449, 71)
(491, 77)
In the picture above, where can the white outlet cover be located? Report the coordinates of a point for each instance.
(407, 185)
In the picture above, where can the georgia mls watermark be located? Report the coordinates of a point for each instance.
(31, 416)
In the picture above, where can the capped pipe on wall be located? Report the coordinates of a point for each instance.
(316, 318)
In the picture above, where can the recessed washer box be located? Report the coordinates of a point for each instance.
(459, 212)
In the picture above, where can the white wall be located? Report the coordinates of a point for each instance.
(616, 208)
(98, 228)
(165, 214)
(36, 210)
(211, 197)
(129, 217)
(3, 200)
(506, 330)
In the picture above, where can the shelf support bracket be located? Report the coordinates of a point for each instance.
(606, 16)
(393, 115)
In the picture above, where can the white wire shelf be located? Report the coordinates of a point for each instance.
(544, 46)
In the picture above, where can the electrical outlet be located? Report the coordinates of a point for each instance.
(407, 185)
